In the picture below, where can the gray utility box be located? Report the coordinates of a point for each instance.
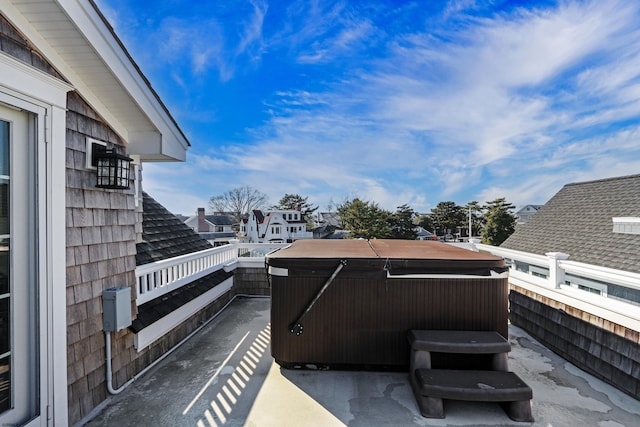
(116, 309)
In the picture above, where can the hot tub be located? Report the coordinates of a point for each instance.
(352, 302)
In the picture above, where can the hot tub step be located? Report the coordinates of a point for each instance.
(431, 386)
(488, 343)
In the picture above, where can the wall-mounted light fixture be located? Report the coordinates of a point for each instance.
(112, 169)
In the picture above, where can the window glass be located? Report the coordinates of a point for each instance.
(5, 296)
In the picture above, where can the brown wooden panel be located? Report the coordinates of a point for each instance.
(364, 321)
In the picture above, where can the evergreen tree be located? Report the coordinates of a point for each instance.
(297, 202)
(365, 219)
(402, 226)
(500, 222)
(426, 222)
(447, 217)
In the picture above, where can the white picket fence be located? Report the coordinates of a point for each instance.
(158, 278)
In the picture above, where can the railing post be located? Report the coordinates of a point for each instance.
(473, 241)
(556, 274)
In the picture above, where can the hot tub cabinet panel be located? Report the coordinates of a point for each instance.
(362, 316)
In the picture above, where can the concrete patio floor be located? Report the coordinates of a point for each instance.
(225, 376)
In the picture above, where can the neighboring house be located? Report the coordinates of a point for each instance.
(67, 83)
(327, 225)
(216, 228)
(575, 277)
(328, 218)
(581, 221)
(526, 213)
(275, 226)
(422, 234)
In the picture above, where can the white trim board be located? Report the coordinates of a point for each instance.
(158, 329)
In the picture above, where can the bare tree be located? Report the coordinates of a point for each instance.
(238, 201)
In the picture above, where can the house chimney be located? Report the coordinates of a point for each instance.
(202, 224)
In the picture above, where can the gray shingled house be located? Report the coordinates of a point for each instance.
(216, 228)
(590, 315)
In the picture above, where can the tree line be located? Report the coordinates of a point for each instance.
(493, 221)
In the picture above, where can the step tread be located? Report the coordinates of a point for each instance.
(458, 341)
(490, 386)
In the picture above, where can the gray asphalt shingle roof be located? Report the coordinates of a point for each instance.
(164, 235)
(578, 221)
(221, 219)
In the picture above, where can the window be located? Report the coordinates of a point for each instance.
(588, 285)
(219, 229)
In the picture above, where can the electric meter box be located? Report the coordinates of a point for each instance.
(116, 309)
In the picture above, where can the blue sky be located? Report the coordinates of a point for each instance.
(392, 102)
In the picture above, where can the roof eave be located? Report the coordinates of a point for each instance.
(106, 77)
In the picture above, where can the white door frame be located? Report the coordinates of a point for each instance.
(21, 262)
(45, 97)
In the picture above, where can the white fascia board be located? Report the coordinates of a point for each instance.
(169, 142)
(90, 23)
(626, 219)
(52, 55)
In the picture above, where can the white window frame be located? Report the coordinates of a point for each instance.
(45, 98)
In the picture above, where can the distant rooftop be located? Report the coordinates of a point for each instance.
(578, 221)
(164, 235)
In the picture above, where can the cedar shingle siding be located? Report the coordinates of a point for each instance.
(102, 229)
(578, 221)
(100, 255)
(16, 45)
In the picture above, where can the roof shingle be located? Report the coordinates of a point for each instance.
(164, 235)
(578, 221)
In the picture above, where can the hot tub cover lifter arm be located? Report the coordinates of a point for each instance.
(296, 327)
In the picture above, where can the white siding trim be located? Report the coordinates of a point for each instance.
(45, 97)
(157, 330)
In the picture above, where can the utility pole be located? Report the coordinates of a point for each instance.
(470, 229)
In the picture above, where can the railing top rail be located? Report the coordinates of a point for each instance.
(152, 266)
(513, 254)
(605, 274)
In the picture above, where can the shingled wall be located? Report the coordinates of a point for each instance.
(606, 350)
(102, 229)
(100, 254)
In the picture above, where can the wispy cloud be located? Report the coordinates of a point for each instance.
(417, 103)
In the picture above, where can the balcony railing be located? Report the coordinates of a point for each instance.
(608, 293)
(160, 277)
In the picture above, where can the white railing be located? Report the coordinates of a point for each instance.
(560, 269)
(158, 278)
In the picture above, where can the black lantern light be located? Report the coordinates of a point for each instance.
(112, 169)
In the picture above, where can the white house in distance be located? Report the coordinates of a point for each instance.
(277, 226)
(527, 212)
(216, 228)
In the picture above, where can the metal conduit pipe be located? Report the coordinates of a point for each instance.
(107, 335)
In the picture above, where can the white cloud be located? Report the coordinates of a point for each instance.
(511, 105)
